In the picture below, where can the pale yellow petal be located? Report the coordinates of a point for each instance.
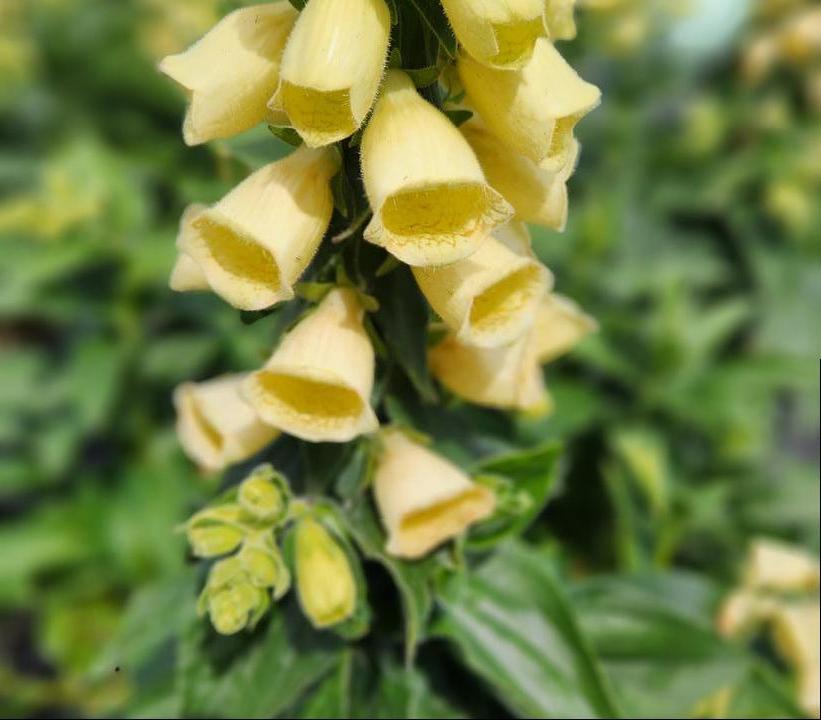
(231, 73)
(423, 499)
(215, 426)
(560, 325)
(255, 243)
(775, 565)
(332, 67)
(560, 20)
(500, 33)
(431, 203)
(487, 299)
(317, 384)
(523, 107)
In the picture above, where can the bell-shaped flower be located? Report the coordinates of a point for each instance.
(537, 195)
(507, 377)
(487, 299)
(422, 498)
(561, 23)
(431, 202)
(560, 325)
(332, 67)
(317, 384)
(254, 244)
(325, 580)
(529, 109)
(500, 33)
(231, 72)
(215, 426)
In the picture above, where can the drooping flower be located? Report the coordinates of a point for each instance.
(325, 581)
(253, 245)
(317, 384)
(532, 110)
(331, 68)
(431, 202)
(422, 498)
(487, 299)
(215, 426)
(560, 325)
(231, 72)
(499, 33)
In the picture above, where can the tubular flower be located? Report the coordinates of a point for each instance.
(187, 274)
(215, 426)
(772, 565)
(488, 299)
(324, 578)
(431, 203)
(536, 194)
(331, 68)
(796, 635)
(534, 109)
(232, 71)
(507, 378)
(560, 20)
(318, 382)
(254, 244)
(515, 235)
(423, 499)
(560, 325)
(499, 33)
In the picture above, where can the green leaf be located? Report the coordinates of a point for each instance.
(332, 698)
(254, 148)
(513, 626)
(402, 319)
(255, 676)
(533, 475)
(458, 117)
(286, 134)
(432, 15)
(422, 77)
(405, 693)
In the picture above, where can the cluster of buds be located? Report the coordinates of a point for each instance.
(779, 590)
(448, 200)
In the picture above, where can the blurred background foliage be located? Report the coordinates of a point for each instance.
(690, 422)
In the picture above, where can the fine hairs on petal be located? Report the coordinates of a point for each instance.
(431, 202)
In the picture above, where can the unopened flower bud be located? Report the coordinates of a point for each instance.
(215, 531)
(230, 599)
(317, 384)
(263, 563)
(431, 202)
(264, 494)
(231, 73)
(325, 580)
(331, 68)
(423, 499)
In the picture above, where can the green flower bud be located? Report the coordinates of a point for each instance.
(264, 494)
(215, 531)
(231, 600)
(325, 579)
(263, 563)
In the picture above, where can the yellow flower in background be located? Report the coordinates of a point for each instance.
(487, 299)
(431, 202)
(317, 384)
(773, 565)
(538, 195)
(500, 33)
(560, 325)
(254, 244)
(507, 378)
(325, 581)
(232, 72)
(797, 637)
(331, 68)
(560, 19)
(423, 499)
(215, 426)
(532, 110)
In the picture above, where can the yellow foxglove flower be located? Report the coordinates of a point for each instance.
(187, 274)
(507, 377)
(317, 384)
(526, 108)
(423, 499)
(487, 299)
(325, 581)
(331, 68)
(560, 325)
(537, 195)
(431, 203)
(215, 426)
(500, 33)
(516, 235)
(231, 73)
(796, 633)
(774, 565)
(560, 20)
(744, 609)
(254, 244)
